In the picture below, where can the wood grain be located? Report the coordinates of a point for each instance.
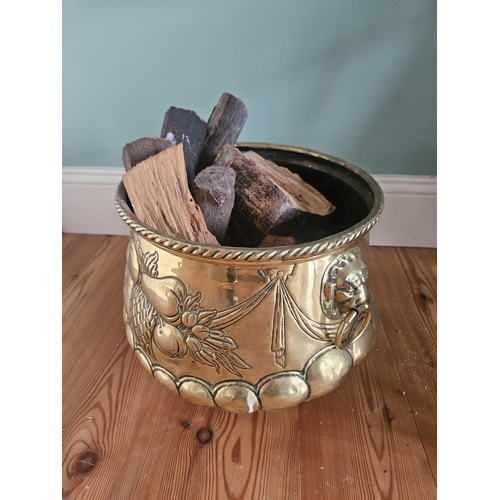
(407, 298)
(159, 192)
(126, 437)
(248, 455)
(90, 277)
(368, 422)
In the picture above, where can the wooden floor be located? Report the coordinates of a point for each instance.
(126, 437)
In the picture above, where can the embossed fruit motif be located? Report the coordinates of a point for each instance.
(206, 345)
(165, 317)
(165, 294)
(169, 340)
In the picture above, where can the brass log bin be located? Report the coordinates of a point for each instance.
(247, 329)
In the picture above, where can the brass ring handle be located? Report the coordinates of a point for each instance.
(347, 322)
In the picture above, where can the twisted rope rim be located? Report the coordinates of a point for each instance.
(303, 250)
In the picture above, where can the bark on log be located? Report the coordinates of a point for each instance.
(224, 126)
(186, 127)
(141, 149)
(301, 194)
(270, 199)
(213, 191)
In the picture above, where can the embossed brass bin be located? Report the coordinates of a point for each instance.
(248, 329)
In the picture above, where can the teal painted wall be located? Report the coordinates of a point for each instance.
(351, 78)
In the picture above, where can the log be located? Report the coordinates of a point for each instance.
(224, 126)
(160, 197)
(186, 127)
(141, 149)
(213, 191)
(301, 194)
(271, 199)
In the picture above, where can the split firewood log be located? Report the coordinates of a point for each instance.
(158, 190)
(269, 199)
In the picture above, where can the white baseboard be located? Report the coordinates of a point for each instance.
(409, 218)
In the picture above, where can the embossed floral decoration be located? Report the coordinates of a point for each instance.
(194, 335)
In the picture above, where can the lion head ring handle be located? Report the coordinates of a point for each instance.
(344, 293)
(352, 327)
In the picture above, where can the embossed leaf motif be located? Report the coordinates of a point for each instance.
(143, 317)
(206, 345)
(143, 313)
